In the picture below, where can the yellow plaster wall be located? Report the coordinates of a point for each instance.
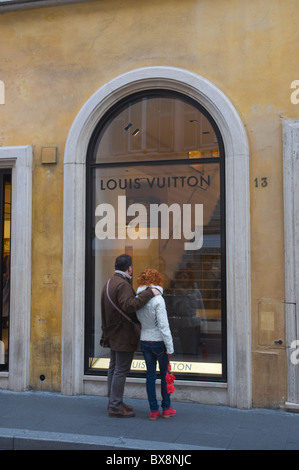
(52, 59)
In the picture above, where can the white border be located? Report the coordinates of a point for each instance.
(19, 159)
(239, 393)
(291, 231)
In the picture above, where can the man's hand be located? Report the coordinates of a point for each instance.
(156, 292)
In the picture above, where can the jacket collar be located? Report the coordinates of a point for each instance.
(123, 275)
(142, 288)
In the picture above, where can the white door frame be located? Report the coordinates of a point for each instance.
(239, 390)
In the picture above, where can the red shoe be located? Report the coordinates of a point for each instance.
(154, 415)
(168, 413)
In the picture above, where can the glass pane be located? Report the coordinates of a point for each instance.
(5, 295)
(167, 217)
(156, 128)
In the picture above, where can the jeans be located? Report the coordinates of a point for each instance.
(119, 367)
(153, 352)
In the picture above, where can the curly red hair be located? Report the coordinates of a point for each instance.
(150, 277)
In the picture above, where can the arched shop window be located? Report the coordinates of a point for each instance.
(155, 180)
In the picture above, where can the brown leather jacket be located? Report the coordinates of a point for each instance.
(115, 327)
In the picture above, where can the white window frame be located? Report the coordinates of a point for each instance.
(238, 390)
(291, 231)
(19, 159)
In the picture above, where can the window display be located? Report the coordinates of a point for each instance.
(155, 190)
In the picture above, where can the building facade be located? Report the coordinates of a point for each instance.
(168, 131)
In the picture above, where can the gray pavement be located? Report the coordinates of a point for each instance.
(50, 421)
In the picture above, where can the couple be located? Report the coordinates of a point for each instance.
(155, 341)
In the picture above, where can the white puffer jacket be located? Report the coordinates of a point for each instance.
(154, 320)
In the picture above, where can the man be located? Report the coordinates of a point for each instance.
(117, 330)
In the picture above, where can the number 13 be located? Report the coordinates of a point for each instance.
(263, 183)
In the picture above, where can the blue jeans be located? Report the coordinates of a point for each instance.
(153, 352)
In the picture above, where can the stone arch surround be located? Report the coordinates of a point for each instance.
(237, 392)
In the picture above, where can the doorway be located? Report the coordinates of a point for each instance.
(5, 223)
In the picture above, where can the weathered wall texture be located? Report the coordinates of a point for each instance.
(52, 60)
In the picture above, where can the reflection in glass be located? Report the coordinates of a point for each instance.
(156, 128)
(155, 163)
(192, 277)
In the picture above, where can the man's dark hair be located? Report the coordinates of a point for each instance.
(123, 262)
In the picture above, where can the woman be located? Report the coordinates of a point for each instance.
(155, 342)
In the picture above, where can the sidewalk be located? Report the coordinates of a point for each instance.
(45, 420)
